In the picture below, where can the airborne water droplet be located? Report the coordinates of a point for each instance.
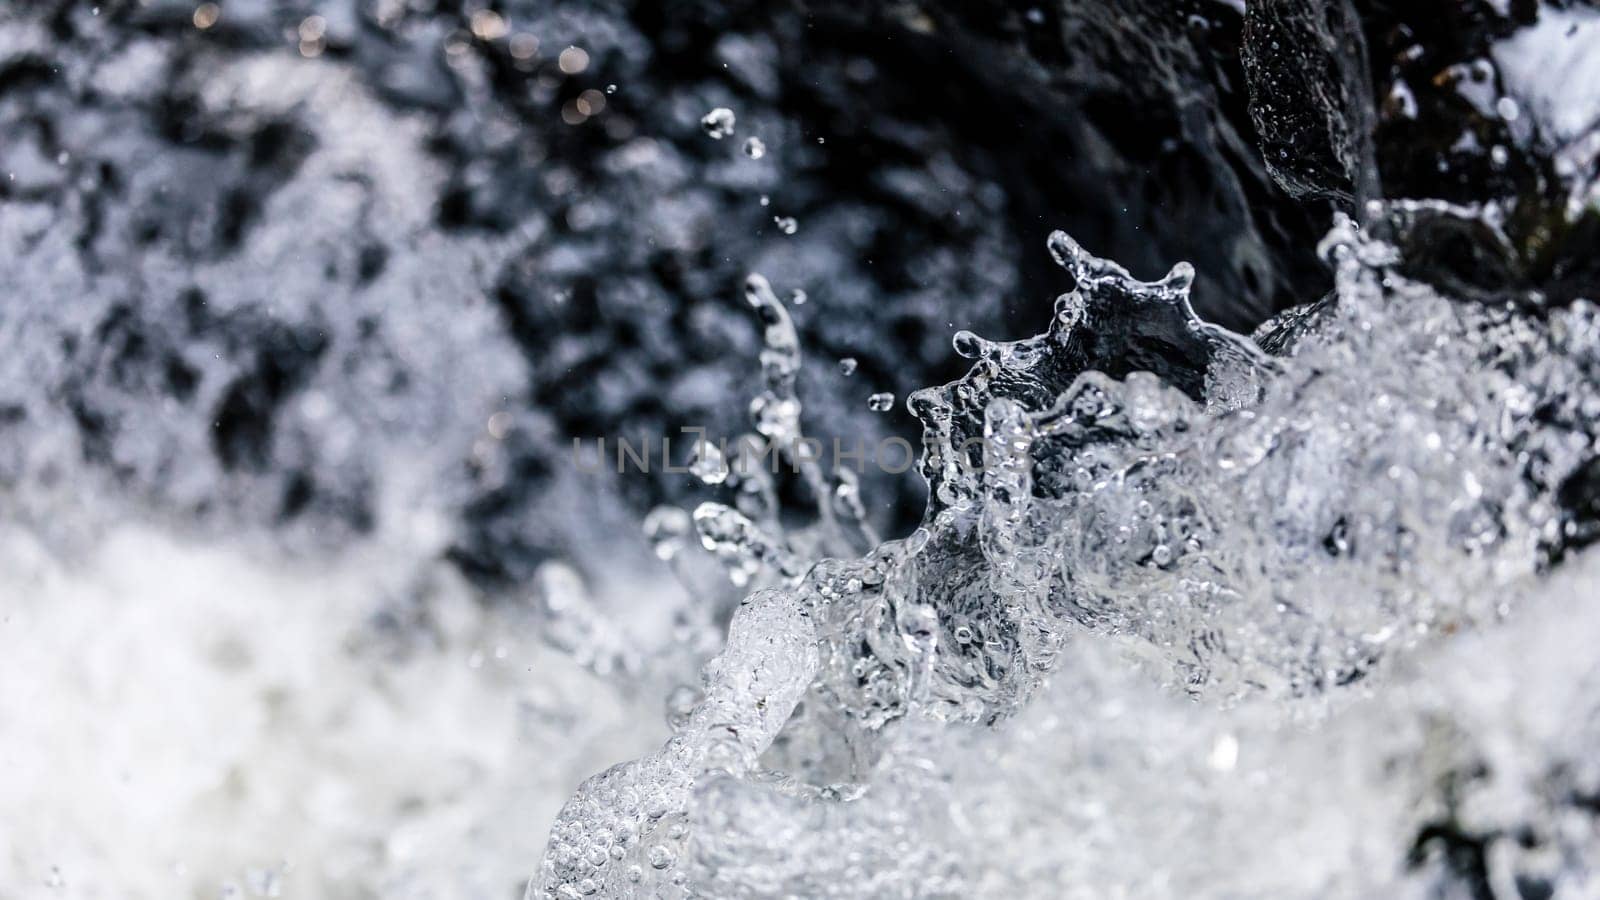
(847, 366)
(665, 528)
(709, 465)
(881, 402)
(718, 123)
(786, 224)
(754, 147)
(798, 298)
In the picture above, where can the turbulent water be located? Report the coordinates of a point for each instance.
(1183, 618)
(1271, 577)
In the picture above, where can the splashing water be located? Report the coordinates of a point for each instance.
(1242, 616)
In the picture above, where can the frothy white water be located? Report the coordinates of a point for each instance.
(181, 718)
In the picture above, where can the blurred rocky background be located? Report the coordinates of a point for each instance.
(288, 265)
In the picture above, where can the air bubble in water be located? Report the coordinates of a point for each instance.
(882, 402)
(754, 147)
(718, 123)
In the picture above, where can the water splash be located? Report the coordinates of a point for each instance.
(1133, 507)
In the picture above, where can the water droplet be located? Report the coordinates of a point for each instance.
(882, 402)
(665, 528)
(573, 60)
(786, 224)
(709, 464)
(754, 147)
(206, 15)
(488, 25)
(718, 123)
(847, 366)
(798, 298)
(524, 46)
